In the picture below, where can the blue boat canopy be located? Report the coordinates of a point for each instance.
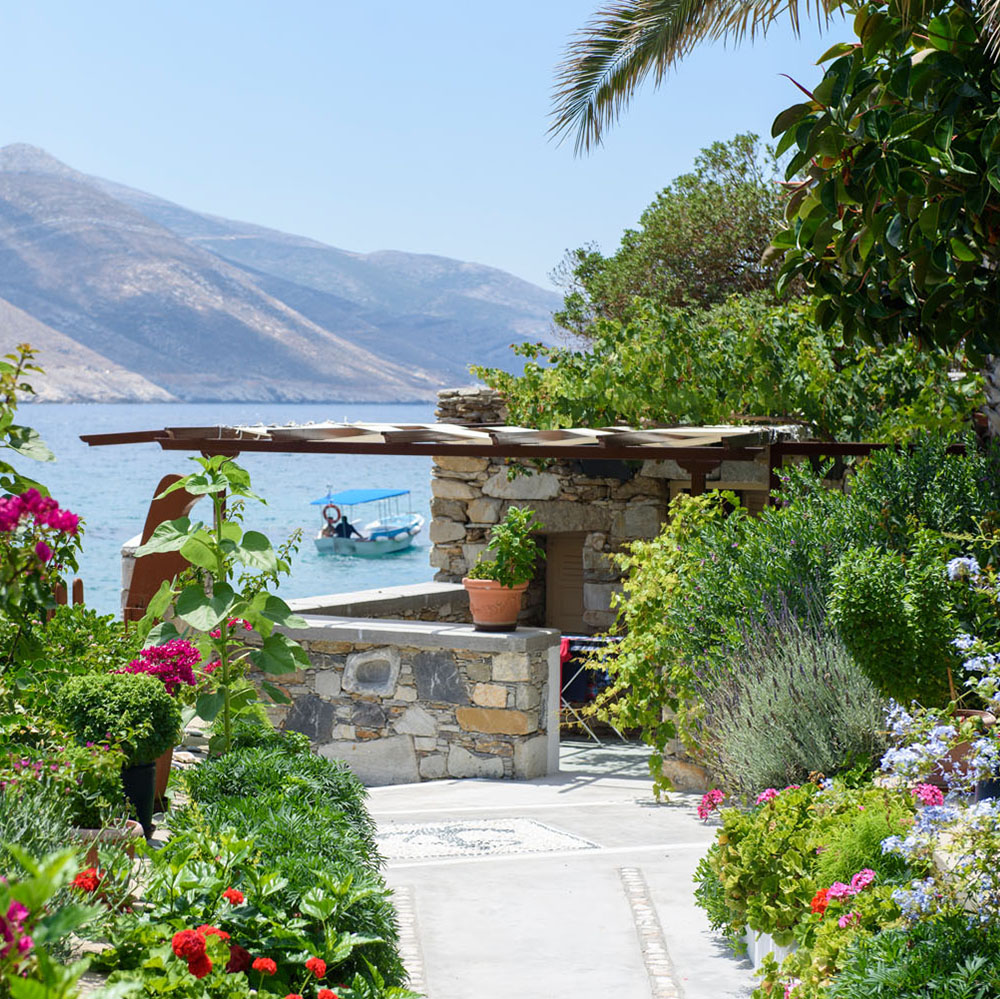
(347, 497)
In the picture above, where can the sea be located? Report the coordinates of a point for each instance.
(111, 487)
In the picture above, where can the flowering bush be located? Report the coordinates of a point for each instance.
(172, 662)
(88, 779)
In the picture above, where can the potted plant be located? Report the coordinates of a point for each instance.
(133, 711)
(495, 585)
(172, 663)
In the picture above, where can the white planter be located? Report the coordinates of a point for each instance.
(759, 945)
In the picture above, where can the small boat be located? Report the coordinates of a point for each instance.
(391, 531)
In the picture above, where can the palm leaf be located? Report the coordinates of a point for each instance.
(626, 40)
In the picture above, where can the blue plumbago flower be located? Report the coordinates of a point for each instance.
(892, 844)
(963, 568)
(915, 900)
(963, 642)
(931, 817)
(898, 719)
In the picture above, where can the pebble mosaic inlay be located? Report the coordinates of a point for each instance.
(474, 838)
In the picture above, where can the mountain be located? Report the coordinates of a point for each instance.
(198, 307)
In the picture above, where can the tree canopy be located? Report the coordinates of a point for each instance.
(700, 241)
(896, 226)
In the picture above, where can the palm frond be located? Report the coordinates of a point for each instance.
(626, 40)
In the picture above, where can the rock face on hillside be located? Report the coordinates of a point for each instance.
(172, 304)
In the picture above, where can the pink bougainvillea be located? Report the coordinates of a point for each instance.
(173, 663)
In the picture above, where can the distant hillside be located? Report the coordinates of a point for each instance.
(166, 299)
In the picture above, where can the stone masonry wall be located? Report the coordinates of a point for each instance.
(403, 702)
(604, 501)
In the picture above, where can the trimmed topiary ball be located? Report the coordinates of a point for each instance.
(132, 709)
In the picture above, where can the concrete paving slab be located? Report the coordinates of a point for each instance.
(606, 909)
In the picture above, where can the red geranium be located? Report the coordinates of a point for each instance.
(317, 966)
(265, 966)
(239, 959)
(819, 901)
(327, 994)
(233, 896)
(200, 966)
(88, 880)
(212, 931)
(294, 995)
(189, 944)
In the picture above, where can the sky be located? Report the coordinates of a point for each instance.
(373, 125)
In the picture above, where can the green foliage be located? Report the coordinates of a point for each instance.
(20, 440)
(894, 225)
(710, 897)
(855, 841)
(281, 769)
(77, 639)
(133, 710)
(700, 241)
(82, 782)
(789, 703)
(49, 917)
(251, 735)
(205, 602)
(743, 358)
(897, 617)
(515, 551)
(949, 958)
(34, 820)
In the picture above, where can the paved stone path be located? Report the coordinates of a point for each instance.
(569, 886)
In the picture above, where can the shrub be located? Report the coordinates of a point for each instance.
(897, 617)
(79, 640)
(133, 710)
(34, 819)
(516, 553)
(252, 733)
(272, 772)
(789, 703)
(940, 959)
(302, 842)
(86, 781)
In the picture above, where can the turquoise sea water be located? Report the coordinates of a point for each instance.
(110, 487)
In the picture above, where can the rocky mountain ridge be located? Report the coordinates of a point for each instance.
(134, 298)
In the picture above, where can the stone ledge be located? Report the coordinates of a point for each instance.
(421, 634)
(384, 601)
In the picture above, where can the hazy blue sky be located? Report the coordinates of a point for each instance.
(370, 125)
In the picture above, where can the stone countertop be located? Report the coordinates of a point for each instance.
(422, 634)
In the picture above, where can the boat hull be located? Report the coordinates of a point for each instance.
(363, 549)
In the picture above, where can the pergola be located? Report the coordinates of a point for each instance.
(698, 450)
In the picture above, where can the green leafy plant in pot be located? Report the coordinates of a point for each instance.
(495, 585)
(133, 711)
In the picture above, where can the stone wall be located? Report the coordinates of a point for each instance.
(412, 602)
(606, 502)
(402, 702)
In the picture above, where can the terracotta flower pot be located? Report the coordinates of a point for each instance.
(955, 758)
(494, 607)
(124, 836)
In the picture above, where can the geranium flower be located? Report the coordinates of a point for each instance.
(710, 801)
(928, 794)
(265, 966)
(849, 919)
(768, 794)
(839, 890)
(239, 960)
(200, 966)
(862, 880)
(212, 931)
(188, 944)
(294, 995)
(88, 880)
(233, 896)
(317, 966)
(819, 902)
(327, 994)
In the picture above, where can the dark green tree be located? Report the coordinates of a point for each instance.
(700, 241)
(896, 224)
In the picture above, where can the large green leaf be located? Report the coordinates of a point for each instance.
(279, 654)
(170, 536)
(209, 705)
(204, 612)
(275, 609)
(28, 443)
(256, 552)
(199, 549)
